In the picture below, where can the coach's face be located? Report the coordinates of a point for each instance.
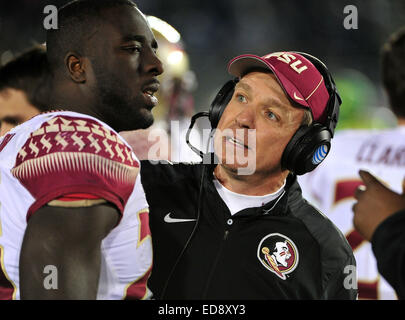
(125, 68)
(258, 103)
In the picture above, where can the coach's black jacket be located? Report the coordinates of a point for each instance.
(226, 258)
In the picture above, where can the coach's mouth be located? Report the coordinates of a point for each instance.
(236, 142)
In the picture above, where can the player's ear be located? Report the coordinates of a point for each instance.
(76, 67)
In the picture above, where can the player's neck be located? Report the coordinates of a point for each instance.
(69, 97)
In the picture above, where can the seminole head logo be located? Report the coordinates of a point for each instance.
(278, 254)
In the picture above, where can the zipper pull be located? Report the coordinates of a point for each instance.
(226, 234)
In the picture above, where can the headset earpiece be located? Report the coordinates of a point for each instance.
(310, 144)
(220, 102)
(307, 149)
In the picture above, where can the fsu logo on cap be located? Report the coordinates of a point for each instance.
(278, 254)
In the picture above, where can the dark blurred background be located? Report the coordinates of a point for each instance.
(215, 31)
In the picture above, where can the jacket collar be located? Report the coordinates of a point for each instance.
(276, 207)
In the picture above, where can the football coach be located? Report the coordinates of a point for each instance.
(238, 227)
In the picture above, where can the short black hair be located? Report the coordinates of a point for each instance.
(28, 72)
(77, 20)
(393, 71)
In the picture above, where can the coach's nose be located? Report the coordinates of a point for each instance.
(246, 118)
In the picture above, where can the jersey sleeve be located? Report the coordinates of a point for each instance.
(73, 155)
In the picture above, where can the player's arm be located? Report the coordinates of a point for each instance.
(379, 215)
(61, 238)
(388, 247)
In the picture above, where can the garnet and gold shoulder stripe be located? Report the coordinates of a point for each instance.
(69, 154)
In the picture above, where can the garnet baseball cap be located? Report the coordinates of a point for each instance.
(298, 77)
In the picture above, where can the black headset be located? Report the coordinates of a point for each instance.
(310, 144)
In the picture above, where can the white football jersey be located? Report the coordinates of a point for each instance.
(331, 187)
(58, 154)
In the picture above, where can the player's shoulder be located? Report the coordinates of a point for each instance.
(72, 142)
(67, 152)
(68, 132)
(359, 135)
(345, 135)
(346, 143)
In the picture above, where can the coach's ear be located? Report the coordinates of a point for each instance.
(76, 67)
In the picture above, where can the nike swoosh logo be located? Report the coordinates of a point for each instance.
(169, 219)
(296, 97)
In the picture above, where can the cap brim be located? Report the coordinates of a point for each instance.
(240, 65)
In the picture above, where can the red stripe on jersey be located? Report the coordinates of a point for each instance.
(355, 239)
(137, 290)
(77, 197)
(368, 290)
(6, 140)
(6, 287)
(346, 189)
(144, 225)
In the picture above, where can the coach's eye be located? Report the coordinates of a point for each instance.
(241, 98)
(271, 115)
